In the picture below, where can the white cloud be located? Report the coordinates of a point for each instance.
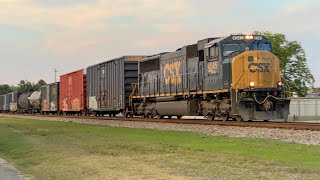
(79, 25)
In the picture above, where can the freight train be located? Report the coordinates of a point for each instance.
(235, 77)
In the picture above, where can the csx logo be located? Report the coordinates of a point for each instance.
(171, 73)
(261, 67)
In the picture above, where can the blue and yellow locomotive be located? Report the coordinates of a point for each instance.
(234, 77)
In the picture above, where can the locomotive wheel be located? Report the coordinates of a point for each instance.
(210, 117)
(239, 119)
(225, 117)
(150, 116)
(169, 117)
(159, 116)
(179, 117)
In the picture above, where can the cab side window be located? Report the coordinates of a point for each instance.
(213, 53)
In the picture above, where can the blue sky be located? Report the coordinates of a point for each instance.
(38, 36)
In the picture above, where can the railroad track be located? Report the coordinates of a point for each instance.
(260, 124)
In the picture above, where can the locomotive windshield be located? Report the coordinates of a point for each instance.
(231, 47)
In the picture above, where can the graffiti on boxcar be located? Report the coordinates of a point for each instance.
(44, 105)
(53, 106)
(65, 106)
(76, 104)
(13, 106)
(171, 73)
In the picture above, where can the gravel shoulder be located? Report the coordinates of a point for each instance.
(297, 136)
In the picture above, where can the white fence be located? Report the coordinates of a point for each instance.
(304, 109)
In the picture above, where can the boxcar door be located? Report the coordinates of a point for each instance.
(103, 86)
(69, 100)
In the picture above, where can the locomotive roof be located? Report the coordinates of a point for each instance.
(215, 41)
(236, 37)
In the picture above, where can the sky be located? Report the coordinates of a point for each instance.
(38, 36)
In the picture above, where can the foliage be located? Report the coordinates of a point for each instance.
(24, 86)
(5, 89)
(28, 86)
(293, 62)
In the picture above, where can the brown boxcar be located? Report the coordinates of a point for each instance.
(73, 93)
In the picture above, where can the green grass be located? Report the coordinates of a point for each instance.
(59, 150)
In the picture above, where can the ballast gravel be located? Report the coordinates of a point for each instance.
(298, 136)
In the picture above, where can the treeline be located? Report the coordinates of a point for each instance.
(22, 86)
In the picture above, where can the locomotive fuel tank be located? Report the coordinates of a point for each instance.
(177, 108)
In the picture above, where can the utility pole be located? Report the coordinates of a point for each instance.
(55, 75)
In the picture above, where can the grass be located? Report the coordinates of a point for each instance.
(59, 150)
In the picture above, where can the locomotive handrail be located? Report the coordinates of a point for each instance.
(134, 91)
(238, 83)
(289, 91)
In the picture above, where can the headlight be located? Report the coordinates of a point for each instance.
(279, 84)
(251, 84)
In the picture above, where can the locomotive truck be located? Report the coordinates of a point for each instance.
(234, 77)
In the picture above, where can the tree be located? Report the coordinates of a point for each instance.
(40, 83)
(293, 62)
(27, 86)
(5, 88)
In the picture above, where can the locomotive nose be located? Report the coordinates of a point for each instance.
(255, 69)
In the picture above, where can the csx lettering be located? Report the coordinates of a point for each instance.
(171, 73)
(261, 67)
